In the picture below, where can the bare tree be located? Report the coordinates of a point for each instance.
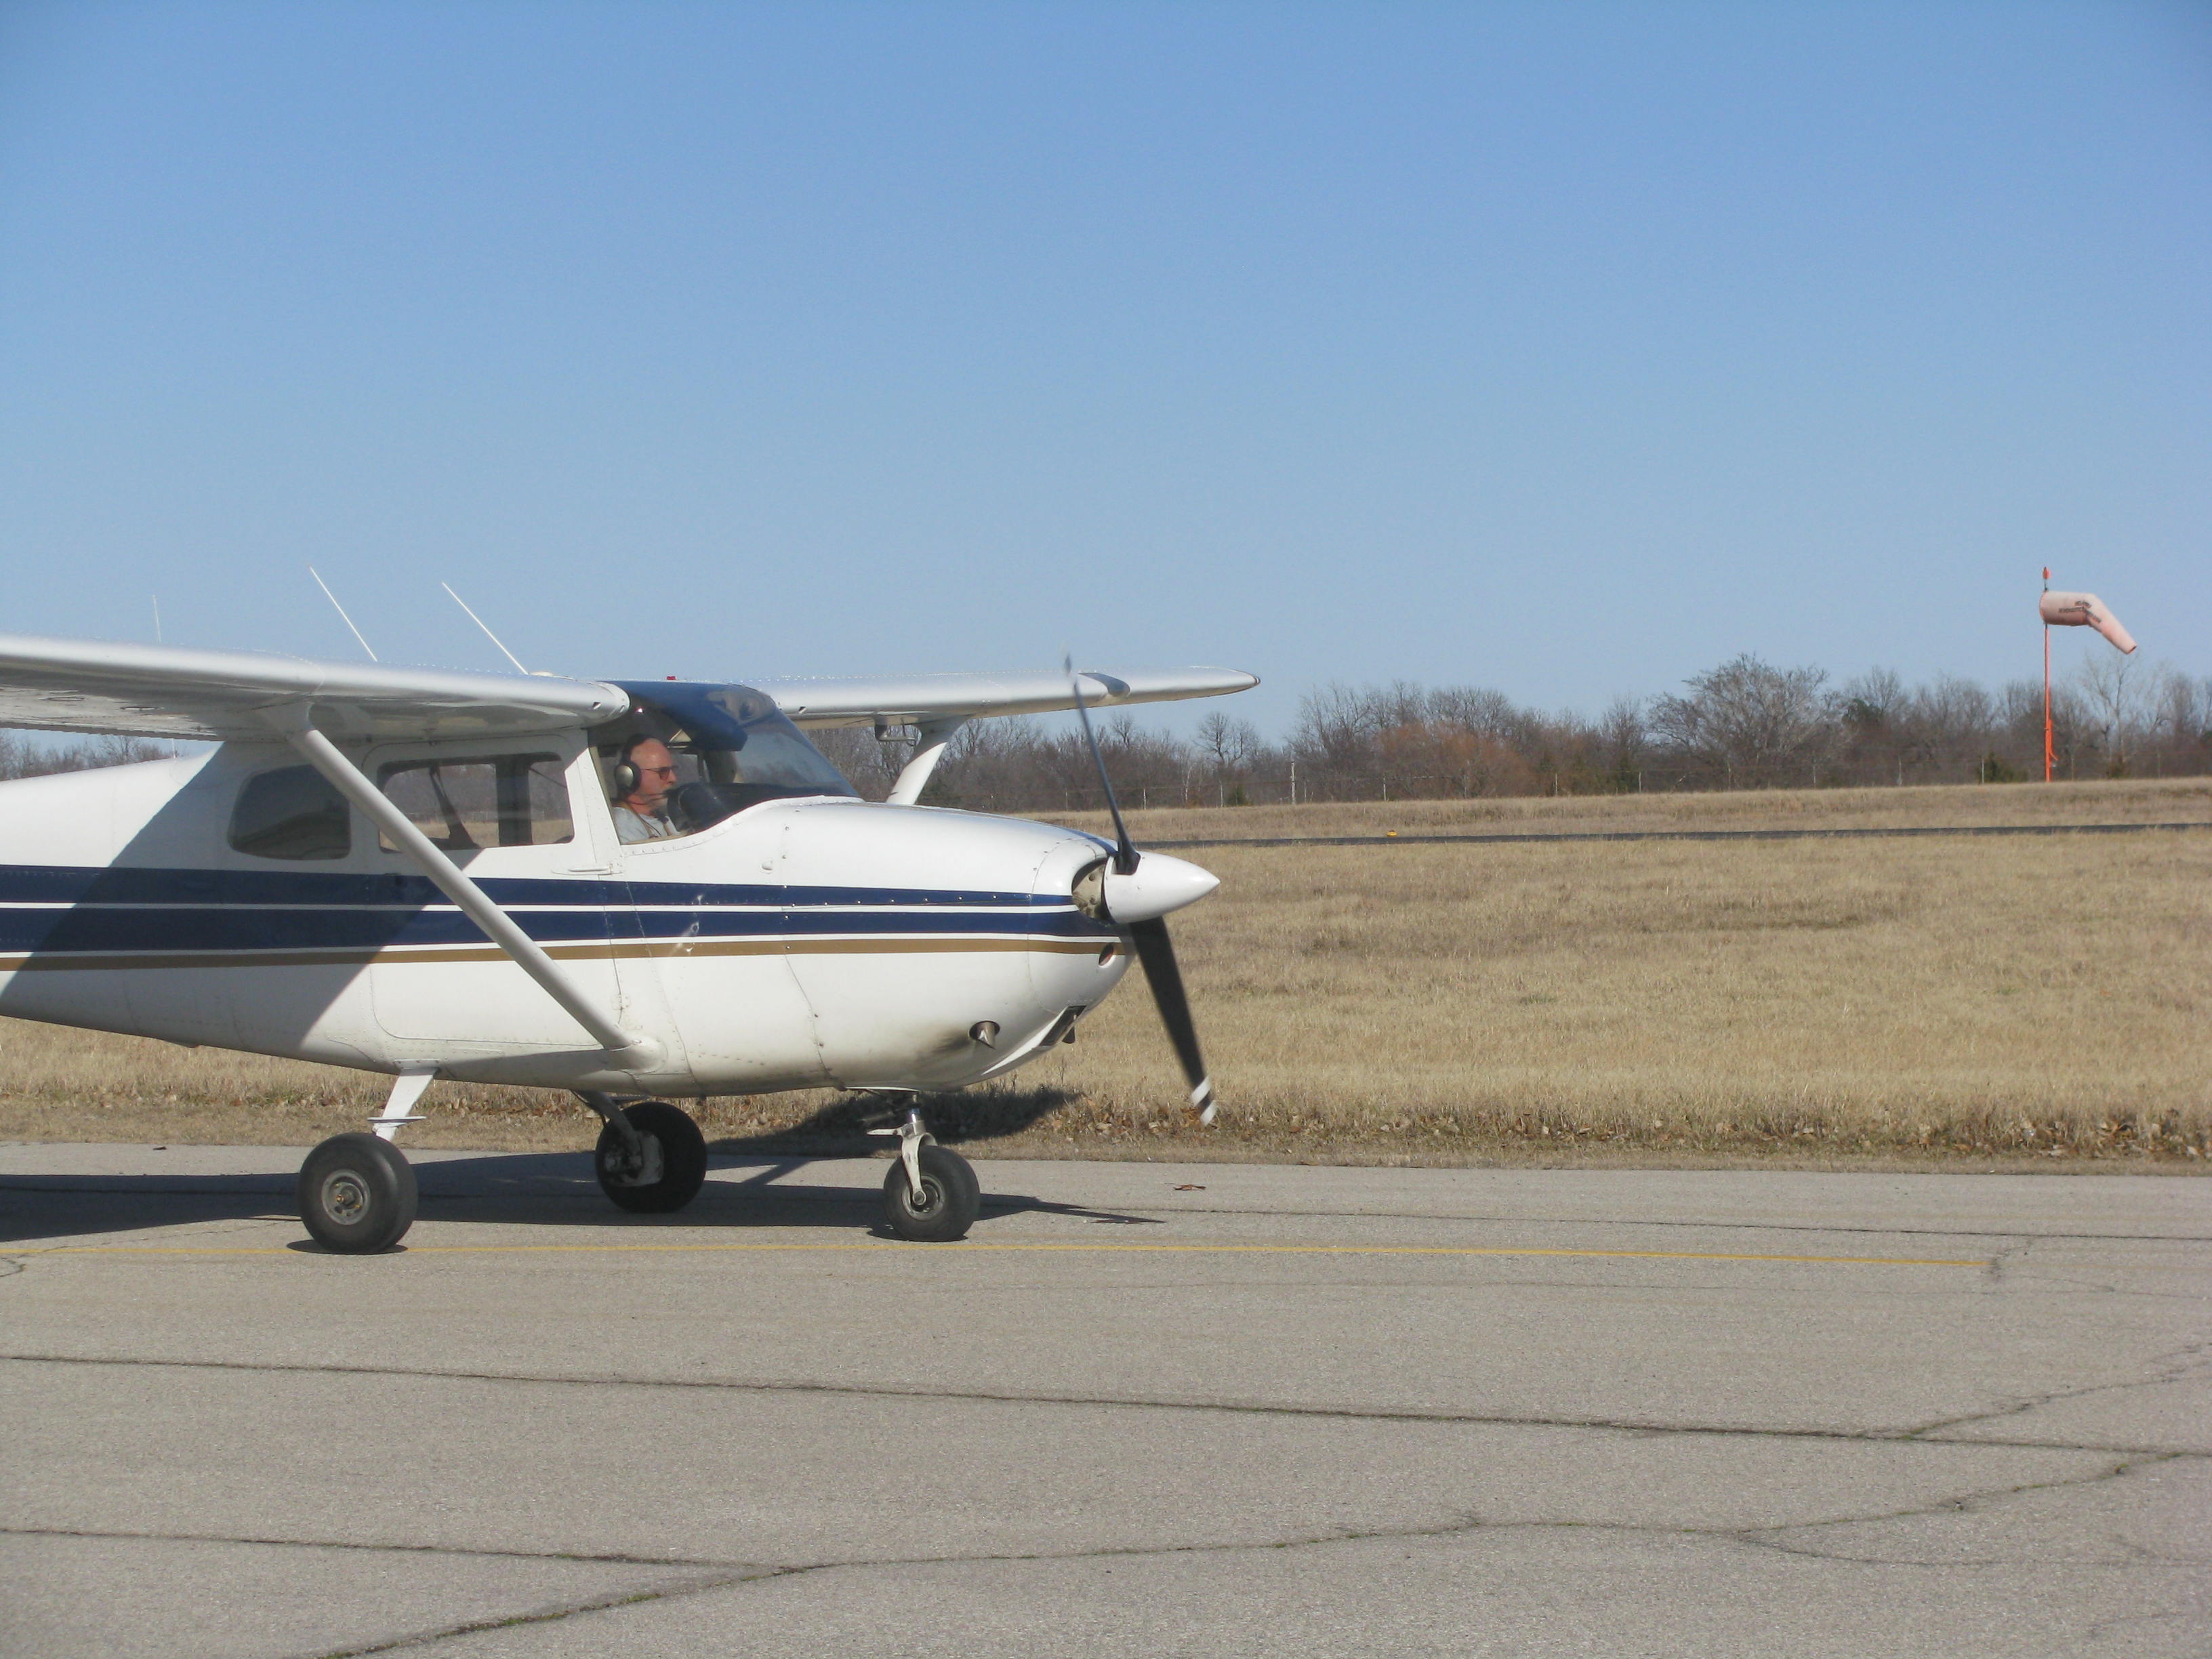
(1873, 718)
(1624, 735)
(2182, 721)
(1755, 724)
(1337, 728)
(1227, 744)
(2107, 682)
(1950, 720)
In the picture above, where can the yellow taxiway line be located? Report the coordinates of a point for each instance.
(1101, 1248)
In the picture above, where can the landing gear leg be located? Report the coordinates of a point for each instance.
(399, 1106)
(930, 1195)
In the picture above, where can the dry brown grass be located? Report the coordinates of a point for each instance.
(2031, 1001)
(2015, 996)
(2122, 801)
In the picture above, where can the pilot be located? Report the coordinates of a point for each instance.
(645, 774)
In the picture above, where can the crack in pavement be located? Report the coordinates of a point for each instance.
(547, 1616)
(125, 1535)
(1253, 1408)
(2175, 1365)
(2129, 1553)
(2035, 1272)
(1464, 1524)
(1968, 1503)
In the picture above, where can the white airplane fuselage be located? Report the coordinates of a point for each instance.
(800, 943)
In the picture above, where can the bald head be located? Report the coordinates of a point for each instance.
(655, 765)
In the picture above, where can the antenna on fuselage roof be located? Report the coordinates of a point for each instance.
(341, 610)
(479, 621)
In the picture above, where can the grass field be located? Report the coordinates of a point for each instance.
(2121, 801)
(2027, 1001)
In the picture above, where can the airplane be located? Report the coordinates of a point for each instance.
(420, 872)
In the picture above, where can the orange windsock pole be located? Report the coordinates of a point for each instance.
(2073, 611)
(2049, 754)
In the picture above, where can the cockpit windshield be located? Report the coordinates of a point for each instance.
(732, 748)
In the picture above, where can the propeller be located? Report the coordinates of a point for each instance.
(1140, 905)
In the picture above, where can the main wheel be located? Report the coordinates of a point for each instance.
(356, 1194)
(675, 1160)
(950, 1201)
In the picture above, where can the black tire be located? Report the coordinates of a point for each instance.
(951, 1200)
(683, 1160)
(356, 1194)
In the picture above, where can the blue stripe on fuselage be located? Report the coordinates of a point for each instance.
(210, 910)
(49, 884)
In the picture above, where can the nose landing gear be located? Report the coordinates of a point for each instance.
(930, 1195)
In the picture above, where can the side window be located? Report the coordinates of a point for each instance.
(291, 814)
(501, 800)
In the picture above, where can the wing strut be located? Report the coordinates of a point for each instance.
(326, 757)
(914, 777)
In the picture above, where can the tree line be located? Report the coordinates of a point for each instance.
(1744, 725)
(22, 756)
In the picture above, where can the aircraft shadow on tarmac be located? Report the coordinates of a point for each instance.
(551, 1189)
(841, 1127)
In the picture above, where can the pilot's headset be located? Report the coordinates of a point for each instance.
(626, 777)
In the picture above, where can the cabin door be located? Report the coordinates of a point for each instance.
(504, 815)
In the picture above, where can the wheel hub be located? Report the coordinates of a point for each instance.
(345, 1197)
(645, 1171)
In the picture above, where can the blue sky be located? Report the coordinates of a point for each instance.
(1567, 348)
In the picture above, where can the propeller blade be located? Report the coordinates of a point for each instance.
(1150, 936)
(1125, 850)
(1156, 952)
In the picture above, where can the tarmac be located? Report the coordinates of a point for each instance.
(1150, 1408)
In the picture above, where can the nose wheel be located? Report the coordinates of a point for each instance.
(931, 1196)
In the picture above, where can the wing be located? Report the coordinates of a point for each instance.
(953, 696)
(158, 691)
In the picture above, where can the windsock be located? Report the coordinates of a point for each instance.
(2085, 611)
